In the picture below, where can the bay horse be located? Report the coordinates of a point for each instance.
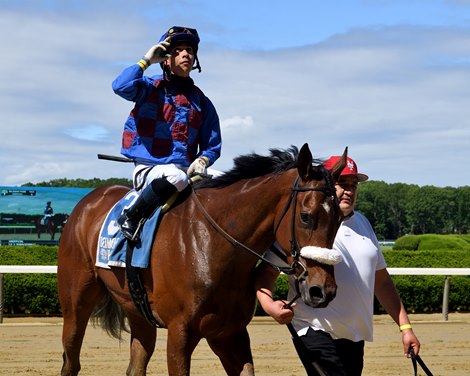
(200, 281)
(52, 225)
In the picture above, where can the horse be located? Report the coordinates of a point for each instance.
(200, 281)
(52, 225)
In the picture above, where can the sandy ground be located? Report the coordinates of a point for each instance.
(32, 346)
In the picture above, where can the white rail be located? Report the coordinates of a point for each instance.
(7, 269)
(447, 272)
(428, 271)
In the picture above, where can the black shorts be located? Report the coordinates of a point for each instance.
(335, 357)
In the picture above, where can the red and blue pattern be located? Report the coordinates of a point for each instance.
(168, 124)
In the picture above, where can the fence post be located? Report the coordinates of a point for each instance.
(1, 298)
(445, 299)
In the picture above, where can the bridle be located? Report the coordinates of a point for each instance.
(297, 268)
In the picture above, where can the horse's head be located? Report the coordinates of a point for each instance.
(307, 226)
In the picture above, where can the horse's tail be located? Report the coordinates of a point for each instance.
(110, 316)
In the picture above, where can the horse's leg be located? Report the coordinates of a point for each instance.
(79, 292)
(50, 228)
(143, 339)
(180, 345)
(234, 353)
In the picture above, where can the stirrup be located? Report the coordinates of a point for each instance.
(132, 236)
(137, 230)
(135, 236)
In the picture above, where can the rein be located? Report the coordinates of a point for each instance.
(416, 359)
(235, 242)
(328, 190)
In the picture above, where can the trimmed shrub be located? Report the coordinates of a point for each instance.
(428, 259)
(31, 294)
(407, 242)
(430, 242)
(28, 255)
(437, 242)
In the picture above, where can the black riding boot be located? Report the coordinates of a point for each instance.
(153, 196)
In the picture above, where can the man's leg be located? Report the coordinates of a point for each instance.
(319, 347)
(352, 355)
(151, 197)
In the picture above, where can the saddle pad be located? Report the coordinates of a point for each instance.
(111, 249)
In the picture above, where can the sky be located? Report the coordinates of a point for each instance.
(387, 79)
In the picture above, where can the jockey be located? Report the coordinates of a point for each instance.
(172, 127)
(48, 212)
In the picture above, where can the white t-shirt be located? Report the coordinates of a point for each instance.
(350, 314)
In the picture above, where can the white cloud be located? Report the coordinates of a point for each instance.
(237, 124)
(397, 96)
(90, 132)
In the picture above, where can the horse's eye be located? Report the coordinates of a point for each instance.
(307, 219)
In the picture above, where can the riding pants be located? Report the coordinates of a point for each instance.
(143, 175)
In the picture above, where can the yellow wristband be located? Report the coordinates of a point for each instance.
(406, 326)
(143, 64)
(205, 159)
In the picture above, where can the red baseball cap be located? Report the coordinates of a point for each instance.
(350, 169)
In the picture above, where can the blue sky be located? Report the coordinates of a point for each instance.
(388, 79)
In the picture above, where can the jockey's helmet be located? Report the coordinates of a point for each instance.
(181, 35)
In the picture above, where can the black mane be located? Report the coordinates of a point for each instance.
(254, 165)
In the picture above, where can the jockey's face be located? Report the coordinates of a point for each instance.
(181, 61)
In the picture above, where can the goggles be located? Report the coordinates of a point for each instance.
(181, 31)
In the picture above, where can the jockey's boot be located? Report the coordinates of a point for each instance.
(154, 195)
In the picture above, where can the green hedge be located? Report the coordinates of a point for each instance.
(433, 242)
(37, 293)
(30, 293)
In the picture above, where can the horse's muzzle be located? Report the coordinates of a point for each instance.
(317, 296)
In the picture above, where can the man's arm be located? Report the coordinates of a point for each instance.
(132, 85)
(388, 297)
(210, 139)
(264, 284)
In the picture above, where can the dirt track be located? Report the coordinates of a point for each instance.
(33, 347)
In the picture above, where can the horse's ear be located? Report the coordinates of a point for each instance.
(340, 165)
(304, 162)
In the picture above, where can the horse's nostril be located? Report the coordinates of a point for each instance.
(316, 292)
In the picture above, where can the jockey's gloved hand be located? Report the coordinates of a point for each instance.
(198, 167)
(158, 52)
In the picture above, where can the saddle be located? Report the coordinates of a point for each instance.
(111, 248)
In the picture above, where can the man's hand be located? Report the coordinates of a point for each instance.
(278, 311)
(409, 340)
(159, 52)
(198, 167)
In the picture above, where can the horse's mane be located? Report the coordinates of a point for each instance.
(254, 165)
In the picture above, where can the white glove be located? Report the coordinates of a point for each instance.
(198, 167)
(158, 53)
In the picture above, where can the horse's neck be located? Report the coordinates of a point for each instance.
(251, 205)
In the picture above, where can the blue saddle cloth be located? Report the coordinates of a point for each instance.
(111, 249)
